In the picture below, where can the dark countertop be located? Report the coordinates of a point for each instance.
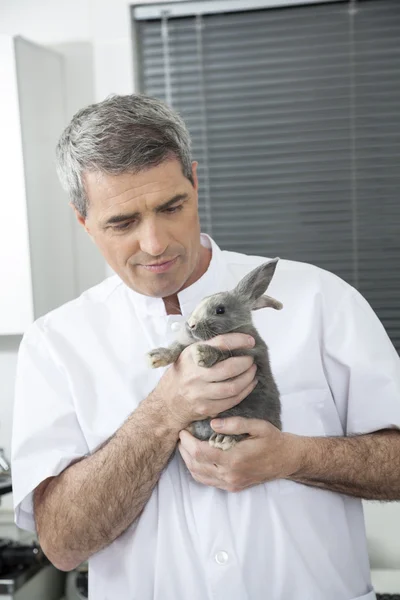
(5, 485)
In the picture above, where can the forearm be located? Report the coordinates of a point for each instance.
(94, 500)
(366, 466)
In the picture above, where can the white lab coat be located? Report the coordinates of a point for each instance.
(82, 370)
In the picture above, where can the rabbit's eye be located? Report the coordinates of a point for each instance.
(220, 310)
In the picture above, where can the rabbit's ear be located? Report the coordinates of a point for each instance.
(265, 301)
(255, 283)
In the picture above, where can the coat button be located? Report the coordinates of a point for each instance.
(221, 557)
(175, 326)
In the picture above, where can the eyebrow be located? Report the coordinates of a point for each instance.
(126, 217)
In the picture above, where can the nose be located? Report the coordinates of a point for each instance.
(154, 239)
(191, 324)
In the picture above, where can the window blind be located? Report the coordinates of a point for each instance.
(294, 114)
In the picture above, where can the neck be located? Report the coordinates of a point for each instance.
(172, 306)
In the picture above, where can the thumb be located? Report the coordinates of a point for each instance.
(237, 425)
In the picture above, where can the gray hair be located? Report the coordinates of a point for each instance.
(118, 135)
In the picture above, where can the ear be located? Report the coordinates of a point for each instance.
(194, 175)
(255, 283)
(266, 301)
(81, 220)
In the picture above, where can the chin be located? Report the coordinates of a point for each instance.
(159, 285)
(159, 292)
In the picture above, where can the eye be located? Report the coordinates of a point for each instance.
(122, 226)
(173, 209)
(220, 310)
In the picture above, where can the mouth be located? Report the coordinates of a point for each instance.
(160, 267)
(197, 334)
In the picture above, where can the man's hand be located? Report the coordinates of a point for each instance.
(266, 455)
(191, 392)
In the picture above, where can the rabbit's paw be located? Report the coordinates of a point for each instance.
(160, 357)
(206, 356)
(225, 442)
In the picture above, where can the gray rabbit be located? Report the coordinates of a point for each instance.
(227, 312)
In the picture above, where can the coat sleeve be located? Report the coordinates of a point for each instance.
(362, 368)
(46, 434)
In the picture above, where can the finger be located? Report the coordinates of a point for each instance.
(206, 480)
(200, 452)
(186, 456)
(218, 406)
(212, 481)
(228, 368)
(205, 473)
(188, 441)
(232, 387)
(232, 341)
(238, 425)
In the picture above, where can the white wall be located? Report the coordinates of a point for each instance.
(105, 24)
(100, 30)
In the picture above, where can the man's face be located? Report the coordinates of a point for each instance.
(145, 219)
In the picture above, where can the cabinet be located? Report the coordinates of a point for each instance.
(37, 267)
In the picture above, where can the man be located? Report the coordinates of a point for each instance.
(103, 466)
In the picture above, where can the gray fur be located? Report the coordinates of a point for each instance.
(263, 402)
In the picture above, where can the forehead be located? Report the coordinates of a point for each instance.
(106, 192)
